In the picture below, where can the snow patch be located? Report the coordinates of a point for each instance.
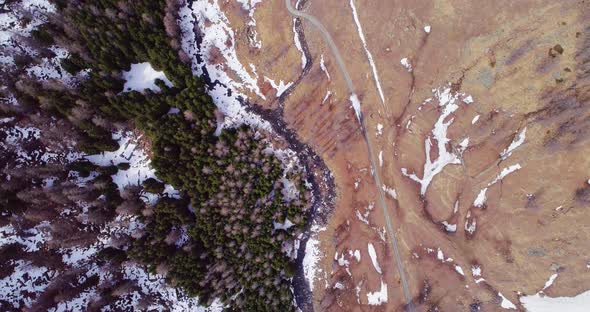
(373, 256)
(448, 102)
(78, 256)
(339, 285)
(451, 228)
(327, 96)
(324, 68)
(31, 239)
(369, 55)
(299, 45)
(283, 226)
(281, 87)
(343, 262)
(481, 198)
(550, 281)
(143, 76)
(516, 142)
(379, 129)
(389, 191)
(312, 256)
(406, 64)
(505, 172)
(356, 254)
(506, 304)
(476, 271)
(356, 105)
(365, 216)
(470, 227)
(459, 270)
(378, 297)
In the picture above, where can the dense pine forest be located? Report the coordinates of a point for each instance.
(222, 237)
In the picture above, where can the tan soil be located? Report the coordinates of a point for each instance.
(500, 52)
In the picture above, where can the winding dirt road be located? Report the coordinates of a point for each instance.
(390, 228)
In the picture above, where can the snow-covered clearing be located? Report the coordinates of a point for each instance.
(17, 136)
(129, 152)
(440, 255)
(156, 284)
(143, 76)
(24, 283)
(17, 20)
(78, 303)
(365, 46)
(31, 240)
(13, 25)
(50, 68)
(481, 198)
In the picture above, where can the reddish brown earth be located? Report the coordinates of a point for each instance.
(525, 63)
